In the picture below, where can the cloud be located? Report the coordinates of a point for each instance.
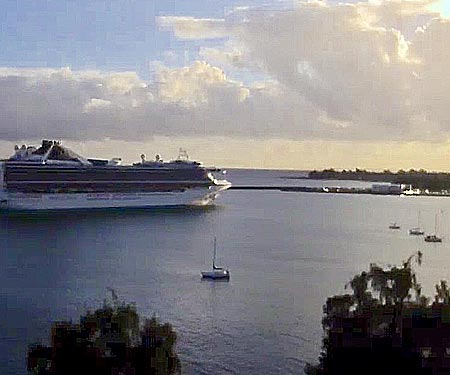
(372, 70)
(364, 71)
(190, 28)
(197, 100)
(228, 58)
(95, 103)
(339, 59)
(191, 86)
(65, 104)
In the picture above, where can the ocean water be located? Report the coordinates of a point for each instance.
(287, 253)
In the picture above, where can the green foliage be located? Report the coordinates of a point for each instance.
(380, 298)
(120, 323)
(161, 338)
(393, 286)
(107, 341)
(442, 293)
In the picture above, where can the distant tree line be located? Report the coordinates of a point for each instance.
(421, 179)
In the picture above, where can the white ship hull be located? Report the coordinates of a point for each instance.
(74, 201)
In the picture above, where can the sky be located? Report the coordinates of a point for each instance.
(238, 83)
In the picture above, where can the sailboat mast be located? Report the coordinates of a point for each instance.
(214, 257)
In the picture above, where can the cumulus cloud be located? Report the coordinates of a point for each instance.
(197, 100)
(226, 57)
(97, 103)
(37, 103)
(333, 71)
(190, 28)
(367, 70)
(194, 85)
(340, 59)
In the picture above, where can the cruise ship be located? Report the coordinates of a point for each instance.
(53, 177)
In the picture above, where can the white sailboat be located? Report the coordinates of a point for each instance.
(216, 272)
(417, 231)
(433, 237)
(394, 226)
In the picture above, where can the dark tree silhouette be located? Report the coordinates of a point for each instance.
(108, 341)
(386, 326)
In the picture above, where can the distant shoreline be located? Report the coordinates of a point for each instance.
(420, 179)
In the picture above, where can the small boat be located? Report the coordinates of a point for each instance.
(217, 273)
(433, 237)
(394, 226)
(417, 231)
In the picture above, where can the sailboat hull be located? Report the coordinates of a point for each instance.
(216, 274)
(432, 239)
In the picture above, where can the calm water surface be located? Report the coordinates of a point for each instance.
(287, 253)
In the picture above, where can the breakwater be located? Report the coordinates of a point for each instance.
(339, 190)
(306, 189)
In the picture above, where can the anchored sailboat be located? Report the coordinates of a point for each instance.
(433, 237)
(394, 226)
(216, 272)
(417, 231)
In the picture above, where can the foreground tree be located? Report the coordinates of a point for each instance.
(386, 326)
(109, 341)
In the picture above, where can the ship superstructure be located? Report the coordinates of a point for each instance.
(54, 177)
